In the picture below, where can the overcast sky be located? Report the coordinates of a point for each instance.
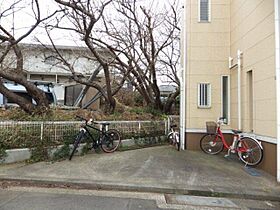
(24, 18)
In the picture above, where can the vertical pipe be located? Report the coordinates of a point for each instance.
(277, 73)
(183, 72)
(239, 54)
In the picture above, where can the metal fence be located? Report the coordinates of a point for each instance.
(173, 119)
(25, 134)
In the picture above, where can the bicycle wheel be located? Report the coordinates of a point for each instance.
(76, 143)
(249, 151)
(110, 141)
(174, 139)
(211, 144)
(170, 138)
(177, 140)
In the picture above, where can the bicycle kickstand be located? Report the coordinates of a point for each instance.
(228, 153)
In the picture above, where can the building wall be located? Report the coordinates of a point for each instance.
(252, 32)
(246, 25)
(235, 25)
(36, 61)
(208, 48)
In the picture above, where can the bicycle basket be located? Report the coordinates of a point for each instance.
(211, 127)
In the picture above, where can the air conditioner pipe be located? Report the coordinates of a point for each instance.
(239, 57)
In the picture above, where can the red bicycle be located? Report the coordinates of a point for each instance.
(249, 150)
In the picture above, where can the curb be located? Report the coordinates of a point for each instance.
(133, 188)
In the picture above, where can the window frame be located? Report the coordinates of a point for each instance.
(222, 99)
(209, 96)
(209, 12)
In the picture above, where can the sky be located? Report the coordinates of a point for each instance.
(19, 23)
(24, 18)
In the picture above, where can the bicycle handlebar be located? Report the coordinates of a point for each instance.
(84, 119)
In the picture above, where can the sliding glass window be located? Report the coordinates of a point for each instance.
(225, 93)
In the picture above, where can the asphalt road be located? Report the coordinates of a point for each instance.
(29, 198)
(10, 200)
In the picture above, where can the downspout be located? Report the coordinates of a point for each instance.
(277, 77)
(239, 66)
(183, 81)
(239, 55)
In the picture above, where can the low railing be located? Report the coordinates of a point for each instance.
(25, 134)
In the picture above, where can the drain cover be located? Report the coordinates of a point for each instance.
(252, 171)
(200, 201)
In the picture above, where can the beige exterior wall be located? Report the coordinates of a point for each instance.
(208, 48)
(252, 32)
(247, 25)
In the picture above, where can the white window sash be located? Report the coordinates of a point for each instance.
(204, 95)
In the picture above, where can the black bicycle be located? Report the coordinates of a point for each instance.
(109, 140)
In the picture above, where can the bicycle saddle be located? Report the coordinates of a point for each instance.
(173, 126)
(236, 131)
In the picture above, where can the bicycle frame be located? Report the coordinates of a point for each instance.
(87, 132)
(233, 147)
(220, 133)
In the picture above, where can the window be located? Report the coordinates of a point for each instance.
(204, 10)
(225, 98)
(204, 95)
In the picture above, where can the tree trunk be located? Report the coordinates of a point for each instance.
(170, 101)
(111, 100)
(38, 95)
(25, 104)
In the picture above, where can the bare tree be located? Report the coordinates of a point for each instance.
(12, 59)
(145, 45)
(81, 18)
(142, 44)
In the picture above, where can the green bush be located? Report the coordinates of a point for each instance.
(3, 153)
(61, 153)
(39, 152)
(18, 138)
(150, 110)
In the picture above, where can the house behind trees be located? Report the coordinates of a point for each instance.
(42, 64)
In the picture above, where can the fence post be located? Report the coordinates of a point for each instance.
(167, 125)
(139, 127)
(42, 130)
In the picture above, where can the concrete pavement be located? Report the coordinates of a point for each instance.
(20, 198)
(157, 169)
(49, 200)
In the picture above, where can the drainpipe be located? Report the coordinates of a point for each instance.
(239, 66)
(277, 76)
(239, 56)
(183, 82)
